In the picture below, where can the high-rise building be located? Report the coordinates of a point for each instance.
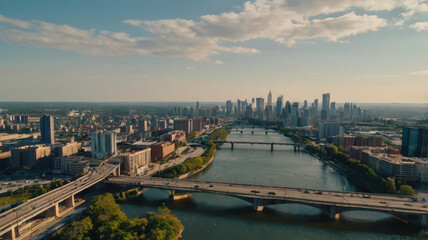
(279, 104)
(415, 142)
(329, 129)
(103, 144)
(294, 114)
(142, 125)
(260, 107)
(183, 124)
(325, 113)
(131, 162)
(198, 109)
(47, 129)
(229, 107)
(269, 99)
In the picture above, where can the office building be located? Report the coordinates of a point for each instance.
(47, 129)
(197, 124)
(229, 108)
(29, 157)
(161, 149)
(325, 113)
(279, 105)
(142, 126)
(260, 106)
(132, 162)
(103, 144)
(183, 124)
(269, 99)
(415, 142)
(328, 129)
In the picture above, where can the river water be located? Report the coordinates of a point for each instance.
(213, 217)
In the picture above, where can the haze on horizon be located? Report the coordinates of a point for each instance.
(211, 51)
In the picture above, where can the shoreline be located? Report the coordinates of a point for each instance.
(186, 175)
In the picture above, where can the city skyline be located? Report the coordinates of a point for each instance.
(159, 51)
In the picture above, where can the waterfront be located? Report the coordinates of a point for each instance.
(221, 217)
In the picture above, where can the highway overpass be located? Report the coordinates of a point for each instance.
(48, 203)
(331, 202)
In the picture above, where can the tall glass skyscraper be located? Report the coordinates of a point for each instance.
(47, 129)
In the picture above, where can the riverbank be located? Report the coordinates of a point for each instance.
(186, 175)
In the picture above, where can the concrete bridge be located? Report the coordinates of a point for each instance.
(295, 145)
(49, 203)
(250, 131)
(333, 203)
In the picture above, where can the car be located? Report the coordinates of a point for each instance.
(406, 204)
(255, 191)
(366, 196)
(320, 193)
(306, 191)
(167, 183)
(211, 185)
(424, 206)
(383, 202)
(196, 186)
(271, 193)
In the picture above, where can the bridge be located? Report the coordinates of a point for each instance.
(48, 203)
(295, 145)
(248, 131)
(331, 202)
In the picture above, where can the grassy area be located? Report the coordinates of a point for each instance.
(14, 198)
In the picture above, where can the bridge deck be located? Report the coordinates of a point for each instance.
(265, 143)
(348, 200)
(39, 204)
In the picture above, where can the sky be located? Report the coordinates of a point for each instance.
(189, 50)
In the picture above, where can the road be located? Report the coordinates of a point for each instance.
(193, 152)
(350, 200)
(39, 204)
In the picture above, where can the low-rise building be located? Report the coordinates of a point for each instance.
(75, 165)
(67, 149)
(28, 157)
(161, 150)
(176, 137)
(132, 162)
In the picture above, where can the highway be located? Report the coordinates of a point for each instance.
(346, 200)
(39, 204)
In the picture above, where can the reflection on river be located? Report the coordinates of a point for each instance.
(207, 216)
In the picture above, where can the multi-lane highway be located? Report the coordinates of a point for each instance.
(40, 204)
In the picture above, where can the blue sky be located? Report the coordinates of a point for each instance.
(359, 51)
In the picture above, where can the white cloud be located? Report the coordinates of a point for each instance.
(190, 67)
(422, 72)
(218, 62)
(283, 21)
(420, 26)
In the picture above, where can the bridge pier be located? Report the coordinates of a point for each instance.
(333, 214)
(174, 196)
(252, 132)
(69, 202)
(53, 211)
(295, 148)
(231, 145)
(271, 146)
(266, 132)
(13, 233)
(242, 132)
(258, 205)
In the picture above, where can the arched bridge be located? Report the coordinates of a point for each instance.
(295, 145)
(332, 202)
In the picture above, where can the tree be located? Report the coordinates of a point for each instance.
(406, 190)
(390, 186)
(77, 230)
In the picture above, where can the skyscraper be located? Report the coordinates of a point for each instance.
(260, 106)
(279, 104)
(269, 99)
(325, 106)
(103, 144)
(229, 107)
(197, 110)
(47, 129)
(415, 142)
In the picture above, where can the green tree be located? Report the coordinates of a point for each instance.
(406, 190)
(76, 230)
(390, 186)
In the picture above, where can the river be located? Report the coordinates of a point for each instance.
(213, 217)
